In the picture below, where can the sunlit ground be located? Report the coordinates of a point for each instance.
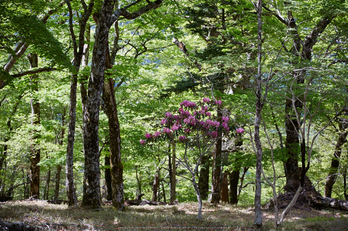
(179, 217)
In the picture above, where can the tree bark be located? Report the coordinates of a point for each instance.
(173, 175)
(91, 184)
(47, 186)
(116, 165)
(34, 150)
(335, 161)
(224, 188)
(302, 49)
(138, 180)
(108, 179)
(217, 162)
(79, 51)
(234, 179)
(69, 170)
(59, 167)
(57, 186)
(259, 106)
(203, 181)
(155, 186)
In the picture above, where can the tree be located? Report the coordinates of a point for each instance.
(91, 195)
(198, 134)
(79, 51)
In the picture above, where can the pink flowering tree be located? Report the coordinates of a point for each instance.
(194, 126)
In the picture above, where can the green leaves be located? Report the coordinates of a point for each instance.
(20, 24)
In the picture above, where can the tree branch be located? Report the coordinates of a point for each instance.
(35, 71)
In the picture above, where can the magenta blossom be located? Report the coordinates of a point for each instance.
(142, 141)
(157, 133)
(225, 118)
(182, 138)
(187, 103)
(206, 100)
(214, 134)
(167, 130)
(168, 114)
(187, 130)
(148, 135)
(224, 125)
(218, 102)
(164, 121)
(240, 130)
(175, 128)
(208, 113)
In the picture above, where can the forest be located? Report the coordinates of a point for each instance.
(110, 105)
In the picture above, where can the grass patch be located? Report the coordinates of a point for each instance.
(178, 217)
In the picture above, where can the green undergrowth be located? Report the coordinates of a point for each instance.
(167, 217)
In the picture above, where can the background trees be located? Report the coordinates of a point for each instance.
(136, 60)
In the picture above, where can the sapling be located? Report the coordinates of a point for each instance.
(196, 128)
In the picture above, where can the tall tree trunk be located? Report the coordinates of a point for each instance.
(217, 162)
(303, 50)
(259, 106)
(203, 181)
(91, 183)
(79, 51)
(108, 179)
(34, 150)
(69, 171)
(59, 167)
(335, 161)
(116, 165)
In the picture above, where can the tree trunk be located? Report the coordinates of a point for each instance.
(345, 183)
(203, 181)
(216, 179)
(47, 186)
(173, 175)
(155, 186)
(59, 167)
(108, 179)
(234, 179)
(56, 190)
(259, 106)
(138, 180)
(34, 150)
(91, 184)
(224, 188)
(292, 146)
(302, 49)
(116, 166)
(335, 161)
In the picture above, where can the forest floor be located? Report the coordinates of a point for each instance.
(45, 216)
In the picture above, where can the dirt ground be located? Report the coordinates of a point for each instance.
(44, 216)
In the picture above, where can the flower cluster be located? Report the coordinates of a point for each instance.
(188, 104)
(240, 130)
(192, 117)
